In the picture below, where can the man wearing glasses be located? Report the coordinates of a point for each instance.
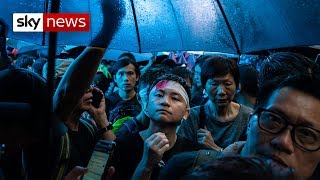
(285, 128)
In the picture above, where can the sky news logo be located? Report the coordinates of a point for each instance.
(50, 22)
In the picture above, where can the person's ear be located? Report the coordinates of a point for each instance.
(146, 109)
(186, 113)
(240, 87)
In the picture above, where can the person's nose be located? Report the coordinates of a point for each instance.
(90, 89)
(125, 77)
(165, 101)
(283, 141)
(221, 90)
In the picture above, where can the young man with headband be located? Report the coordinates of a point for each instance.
(168, 103)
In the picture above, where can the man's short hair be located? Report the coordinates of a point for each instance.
(127, 56)
(149, 76)
(24, 61)
(172, 77)
(183, 72)
(219, 66)
(283, 64)
(237, 167)
(304, 83)
(123, 63)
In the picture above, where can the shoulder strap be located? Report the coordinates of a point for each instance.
(202, 117)
(89, 127)
(63, 157)
(132, 125)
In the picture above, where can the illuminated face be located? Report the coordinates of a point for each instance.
(197, 75)
(221, 90)
(86, 100)
(126, 78)
(299, 109)
(166, 104)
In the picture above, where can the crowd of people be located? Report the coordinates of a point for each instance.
(219, 120)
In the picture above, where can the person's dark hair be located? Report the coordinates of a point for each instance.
(249, 79)
(183, 72)
(24, 61)
(127, 55)
(102, 82)
(200, 60)
(219, 66)
(160, 59)
(282, 64)
(123, 63)
(172, 77)
(170, 63)
(237, 167)
(37, 66)
(149, 76)
(305, 83)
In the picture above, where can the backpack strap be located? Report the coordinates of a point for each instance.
(63, 157)
(132, 125)
(202, 117)
(204, 156)
(89, 126)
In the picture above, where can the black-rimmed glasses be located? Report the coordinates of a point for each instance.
(305, 137)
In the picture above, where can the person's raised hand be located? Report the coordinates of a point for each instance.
(154, 148)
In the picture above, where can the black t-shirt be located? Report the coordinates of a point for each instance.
(129, 151)
(116, 108)
(82, 143)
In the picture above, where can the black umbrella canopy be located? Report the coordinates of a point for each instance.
(235, 27)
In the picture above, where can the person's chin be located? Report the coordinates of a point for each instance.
(127, 88)
(167, 123)
(222, 105)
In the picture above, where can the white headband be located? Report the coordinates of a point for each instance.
(174, 86)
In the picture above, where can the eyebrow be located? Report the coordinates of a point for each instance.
(300, 121)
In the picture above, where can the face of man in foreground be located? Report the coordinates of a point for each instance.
(287, 130)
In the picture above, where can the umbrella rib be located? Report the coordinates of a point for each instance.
(229, 27)
(136, 25)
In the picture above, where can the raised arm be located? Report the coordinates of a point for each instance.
(82, 71)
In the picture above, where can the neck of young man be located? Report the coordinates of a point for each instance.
(143, 118)
(169, 131)
(127, 95)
